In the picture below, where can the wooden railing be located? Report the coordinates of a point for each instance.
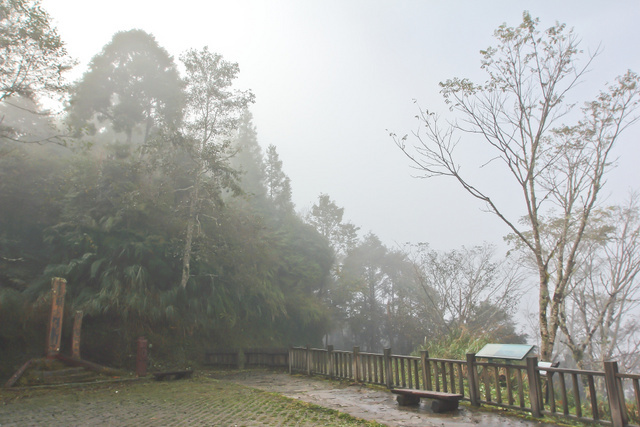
(228, 358)
(588, 396)
(271, 357)
(630, 408)
(238, 358)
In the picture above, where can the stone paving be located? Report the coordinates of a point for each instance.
(369, 403)
(197, 402)
(215, 398)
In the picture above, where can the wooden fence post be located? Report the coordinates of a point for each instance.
(426, 378)
(308, 359)
(142, 346)
(472, 379)
(533, 376)
(356, 364)
(331, 366)
(76, 335)
(388, 374)
(54, 335)
(290, 359)
(240, 358)
(616, 399)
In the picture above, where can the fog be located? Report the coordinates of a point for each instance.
(332, 78)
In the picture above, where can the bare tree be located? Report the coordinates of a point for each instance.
(605, 291)
(469, 288)
(558, 169)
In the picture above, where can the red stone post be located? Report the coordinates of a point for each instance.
(58, 289)
(141, 359)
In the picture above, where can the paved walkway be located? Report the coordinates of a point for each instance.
(231, 398)
(366, 402)
(196, 402)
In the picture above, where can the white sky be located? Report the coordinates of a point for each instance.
(330, 76)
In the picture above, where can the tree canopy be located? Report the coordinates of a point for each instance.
(133, 83)
(34, 58)
(150, 232)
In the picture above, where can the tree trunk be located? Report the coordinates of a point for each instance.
(188, 241)
(548, 334)
(546, 343)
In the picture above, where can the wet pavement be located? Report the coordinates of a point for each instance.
(228, 398)
(369, 403)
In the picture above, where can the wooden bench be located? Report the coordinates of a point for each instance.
(442, 402)
(176, 375)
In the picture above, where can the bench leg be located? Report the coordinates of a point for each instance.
(408, 399)
(440, 406)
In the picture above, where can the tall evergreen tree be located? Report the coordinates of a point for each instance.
(326, 217)
(133, 84)
(364, 273)
(249, 158)
(278, 183)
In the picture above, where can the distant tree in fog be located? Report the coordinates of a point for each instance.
(469, 289)
(364, 274)
(249, 158)
(277, 182)
(378, 297)
(327, 218)
(133, 84)
(600, 321)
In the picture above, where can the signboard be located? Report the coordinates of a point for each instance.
(547, 365)
(506, 351)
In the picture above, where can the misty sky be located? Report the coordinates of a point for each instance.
(330, 77)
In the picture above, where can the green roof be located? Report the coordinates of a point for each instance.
(506, 351)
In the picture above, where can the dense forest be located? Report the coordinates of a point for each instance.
(151, 195)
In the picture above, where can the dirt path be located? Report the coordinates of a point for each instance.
(365, 402)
